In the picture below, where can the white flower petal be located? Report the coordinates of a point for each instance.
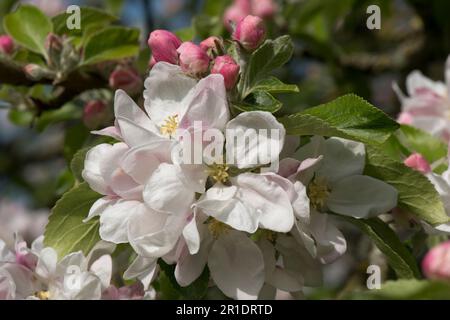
(165, 89)
(114, 220)
(237, 266)
(262, 148)
(361, 197)
(102, 268)
(342, 158)
(168, 190)
(143, 269)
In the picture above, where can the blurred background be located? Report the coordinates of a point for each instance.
(335, 53)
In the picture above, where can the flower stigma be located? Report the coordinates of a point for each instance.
(219, 172)
(217, 228)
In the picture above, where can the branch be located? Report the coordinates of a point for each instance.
(75, 83)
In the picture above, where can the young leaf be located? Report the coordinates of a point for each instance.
(66, 232)
(77, 163)
(111, 44)
(349, 117)
(274, 85)
(411, 289)
(29, 27)
(89, 17)
(398, 256)
(271, 55)
(259, 100)
(416, 194)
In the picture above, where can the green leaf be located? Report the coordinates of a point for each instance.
(205, 25)
(77, 163)
(349, 117)
(416, 193)
(271, 55)
(416, 140)
(407, 290)
(172, 290)
(259, 100)
(89, 17)
(186, 34)
(66, 232)
(21, 117)
(29, 27)
(111, 44)
(274, 85)
(398, 256)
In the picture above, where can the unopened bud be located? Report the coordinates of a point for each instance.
(250, 32)
(213, 46)
(6, 44)
(417, 162)
(436, 264)
(228, 68)
(193, 59)
(164, 45)
(37, 72)
(236, 12)
(151, 62)
(125, 78)
(95, 113)
(264, 9)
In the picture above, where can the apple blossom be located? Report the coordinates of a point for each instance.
(418, 162)
(427, 105)
(164, 45)
(213, 46)
(228, 68)
(236, 12)
(194, 60)
(435, 265)
(250, 32)
(6, 44)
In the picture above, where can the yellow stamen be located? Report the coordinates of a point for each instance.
(42, 295)
(318, 193)
(219, 172)
(217, 228)
(170, 125)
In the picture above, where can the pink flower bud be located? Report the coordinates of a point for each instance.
(228, 68)
(95, 113)
(417, 162)
(250, 32)
(264, 9)
(436, 264)
(236, 12)
(125, 78)
(193, 59)
(164, 45)
(6, 44)
(212, 45)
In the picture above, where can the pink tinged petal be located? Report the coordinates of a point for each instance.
(208, 104)
(111, 131)
(143, 269)
(165, 92)
(266, 139)
(225, 204)
(124, 186)
(24, 283)
(298, 261)
(141, 161)
(237, 265)
(417, 162)
(330, 241)
(268, 199)
(164, 45)
(190, 266)
(168, 190)
(416, 83)
(102, 268)
(436, 264)
(154, 234)
(99, 206)
(361, 197)
(342, 158)
(92, 172)
(405, 118)
(46, 266)
(114, 220)
(276, 275)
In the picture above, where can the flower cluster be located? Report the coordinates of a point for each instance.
(427, 105)
(257, 226)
